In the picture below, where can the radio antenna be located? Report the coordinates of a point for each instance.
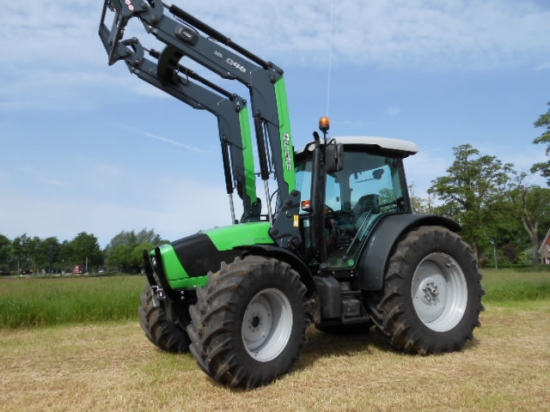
(330, 56)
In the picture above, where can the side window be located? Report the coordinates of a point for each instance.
(303, 181)
(332, 194)
(372, 182)
(382, 182)
(332, 191)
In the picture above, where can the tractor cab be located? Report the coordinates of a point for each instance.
(368, 185)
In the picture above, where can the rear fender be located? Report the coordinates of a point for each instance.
(371, 265)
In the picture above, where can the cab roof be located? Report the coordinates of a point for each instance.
(403, 147)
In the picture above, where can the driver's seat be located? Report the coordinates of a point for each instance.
(367, 203)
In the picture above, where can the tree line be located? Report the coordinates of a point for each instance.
(124, 253)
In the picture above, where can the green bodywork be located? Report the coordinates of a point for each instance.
(248, 155)
(246, 234)
(224, 238)
(173, 269)
(285, 135)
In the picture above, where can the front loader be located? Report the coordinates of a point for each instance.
(340, 249)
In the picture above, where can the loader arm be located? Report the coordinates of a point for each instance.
(230, 109)
(187, 36)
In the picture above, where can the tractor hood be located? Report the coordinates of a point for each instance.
(185, 263)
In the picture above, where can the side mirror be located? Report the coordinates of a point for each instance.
(377, 174)
(334, 158)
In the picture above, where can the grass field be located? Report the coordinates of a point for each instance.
(509, 285)
(31, 302)
(89, 365)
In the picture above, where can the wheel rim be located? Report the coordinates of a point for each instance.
(439, 292)
(267, 325)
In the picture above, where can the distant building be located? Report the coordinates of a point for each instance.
(544, 249)
(79, 270)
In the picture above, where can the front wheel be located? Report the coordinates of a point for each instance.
(432, 293)
(167, 336)
(248, 325)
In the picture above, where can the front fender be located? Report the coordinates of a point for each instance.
(371, 265)
(294, 261)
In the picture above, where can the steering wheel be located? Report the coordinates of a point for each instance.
(328, 210)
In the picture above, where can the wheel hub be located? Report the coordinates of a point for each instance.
(439, 292)
(254, 322)
(257, 319)
(431, 292)
(267, 325)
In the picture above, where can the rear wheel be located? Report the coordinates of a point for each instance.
(248, 325)
(432, 293)
(168, 336)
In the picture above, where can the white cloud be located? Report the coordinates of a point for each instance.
(457, 34)
(394, 111)
(52, 57)
(47, 89)
(107, 170)
(163, 139)
(543, 66)
(43, 176)
(63, 33)
(55, 182)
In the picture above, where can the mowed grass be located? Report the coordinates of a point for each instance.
(100, 359)
(113, 367)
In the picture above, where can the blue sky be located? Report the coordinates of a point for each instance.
(87, 147)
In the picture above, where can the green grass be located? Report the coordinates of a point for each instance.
(508, 285)
(32, 302)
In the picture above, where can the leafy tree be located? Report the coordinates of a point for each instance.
(120, 257)
(84, 247)
(48, 253)
(137, 253)
(148, 236)
(20, 249)
(506, 235)
(419, 204)
(24, 250)
(125, 250)
(5, 251)
(123, 238)
(469, 191)
(133, 238)
(543, 167)
(529, 205)
(65, 255)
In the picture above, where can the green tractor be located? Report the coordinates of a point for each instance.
(336, 245)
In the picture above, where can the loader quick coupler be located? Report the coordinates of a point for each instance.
(157, 294)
